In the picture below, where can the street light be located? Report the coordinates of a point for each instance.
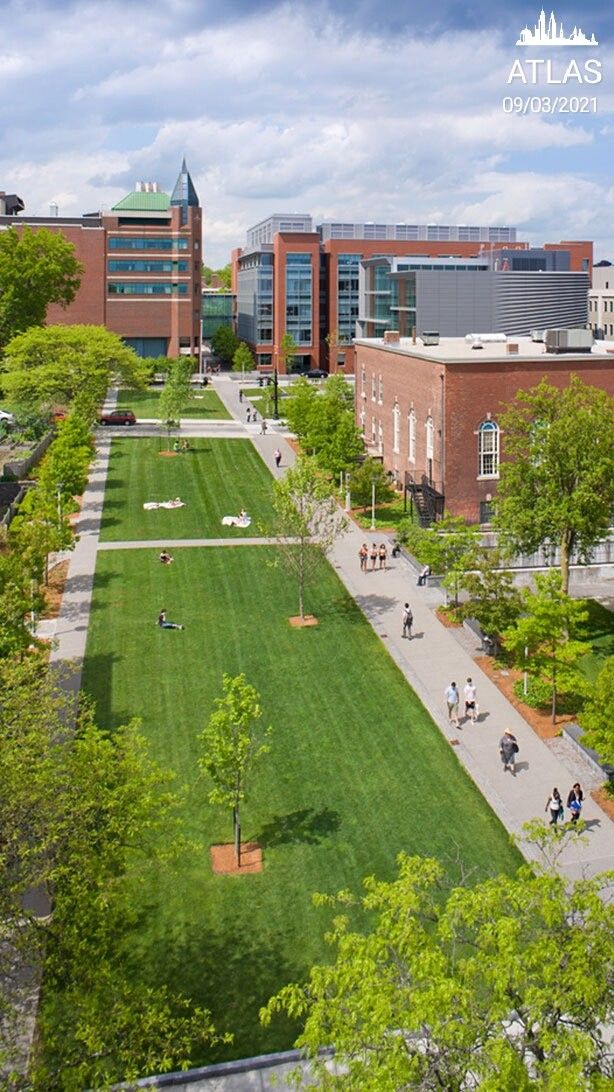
(275, 395)
(373, 502)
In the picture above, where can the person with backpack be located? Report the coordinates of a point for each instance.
(508, 749)
(408, 621)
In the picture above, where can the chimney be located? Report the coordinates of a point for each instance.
(53, 209)
(512, 348)
(391, 337)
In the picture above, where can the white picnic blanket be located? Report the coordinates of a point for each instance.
(148, 505)
(236, 521)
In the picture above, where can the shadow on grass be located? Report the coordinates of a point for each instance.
(97, 678)
(306, 825)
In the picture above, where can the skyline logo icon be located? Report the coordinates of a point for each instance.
(549, 33)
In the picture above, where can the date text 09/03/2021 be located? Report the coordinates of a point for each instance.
(549, 104)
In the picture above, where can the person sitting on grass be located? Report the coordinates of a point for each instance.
(164, 624)
(166, 558)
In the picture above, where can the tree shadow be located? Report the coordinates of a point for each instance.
(305, 825)
(96, 684)
(370, 603)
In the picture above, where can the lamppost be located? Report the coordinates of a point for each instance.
(275, 394)
(373, 502)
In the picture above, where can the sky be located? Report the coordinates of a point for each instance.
(370, 110)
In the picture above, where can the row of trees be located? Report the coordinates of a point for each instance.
(324, 423)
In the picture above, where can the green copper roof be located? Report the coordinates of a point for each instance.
(143, 202)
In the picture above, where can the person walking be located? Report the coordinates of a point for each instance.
(508, 749)
(240, 395)
(263, 427)
(383, 555)
(575, 799)
(248, 415)
(554, 805)
(363, 554)
(374, 553)
(452, 697)
(407, 619)
(471, 703)
(422, 579)
(277, 457)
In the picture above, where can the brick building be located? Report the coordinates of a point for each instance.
(292, 277)
(141, 266)
(432, 412)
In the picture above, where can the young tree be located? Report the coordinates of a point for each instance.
(494, 600)
(501, 985)
(557, 480)
(544, 638)
(225, 343)
(176, 394)
(362, 479)
(597, 716)
(448, 547)
(332, 433)
(299, 407)
(232, 743)
(66, 365)
(287, 352)
(36, 268)
(307, 521)
(243, 360)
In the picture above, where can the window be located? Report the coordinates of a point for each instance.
(381, 390)
(144, 265)
(363, 381)
(373, 430)
(487, 511)
(147, 346)
(373, 388)
(299, 297)
(430, 438)
(151, 288)
(488, 450)
(411, 436)
(396, 429)
(380, 438)
(128, 242)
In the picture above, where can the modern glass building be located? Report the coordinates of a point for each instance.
(218, 309)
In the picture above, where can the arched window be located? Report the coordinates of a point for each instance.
(411, 435)
(488, 450)
(430, 438)
(396, 428)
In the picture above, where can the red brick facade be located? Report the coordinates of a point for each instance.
(457, 396)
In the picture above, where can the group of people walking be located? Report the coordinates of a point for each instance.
(452, 696)
(554, 805)
(377, 555)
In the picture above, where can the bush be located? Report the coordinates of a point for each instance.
(539, 696)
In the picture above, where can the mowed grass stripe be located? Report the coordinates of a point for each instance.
(215, 478)
(357, 771)
(206, 405)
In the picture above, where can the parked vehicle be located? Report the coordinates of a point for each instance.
(316, 373)
(118, 417)
(6, 416)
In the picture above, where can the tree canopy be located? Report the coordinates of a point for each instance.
(448, 547)
(503, 985)
(36, 268)
(324, 422)
(68, 366)
(225, 343)
(597, 716)
(557, 480)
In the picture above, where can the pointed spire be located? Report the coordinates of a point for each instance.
(184, 192)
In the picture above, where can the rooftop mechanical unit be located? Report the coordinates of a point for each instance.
(569, 341)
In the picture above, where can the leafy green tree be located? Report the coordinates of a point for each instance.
(299, 406)
(80, 811)
(544, 638)
(332, 433)
(287, 352)
(307, 521)
(36, 268)
(66, 463)
(225, 343)
(41, 528)
(557, 481)
(448, 547)
(501, 985)
(223, 275)
(362, 479)
(68, 365)
(243, 360)
(19, 598)
(177, 393)
(597, 716)
(493, 598)
(232, 743)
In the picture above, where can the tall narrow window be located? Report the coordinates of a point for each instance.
(396, 429)
(381, 390)
(373, 388)
(488, 450)
(373, 431)
(380, 438)
(363, 381)
(411, 436)
(430, 436)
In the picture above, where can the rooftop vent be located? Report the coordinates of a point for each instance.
(146, 187)
(430, 337)
(391, 337)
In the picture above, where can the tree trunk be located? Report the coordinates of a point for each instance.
(554, 692)
(237, 828)
(565, 547)
(301, 580)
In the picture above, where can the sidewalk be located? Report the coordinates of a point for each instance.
(430, 661)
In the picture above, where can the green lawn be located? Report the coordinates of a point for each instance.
(357, 771)
(386, 515)
(600, 633)
(206, 404)
(215, 478)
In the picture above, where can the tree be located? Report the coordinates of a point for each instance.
(299, 406)
(544, 639)
(332, 433)
(493, 599)
(556, 484)
(36, 268)
(502, 985)
(243, 360)
(68, 366)
(223, 276)
(19, 596)
(66, 463)
(597, 716)
(362, 479)
(224, 343)
(80, 811)
(287, 352)
(232, 743)
(176, 394)
(448, 547)
(307, 521)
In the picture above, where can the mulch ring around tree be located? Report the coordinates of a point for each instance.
(55, 590)
(299, 623)
(168, 454)
(540, 721)
(224, 858)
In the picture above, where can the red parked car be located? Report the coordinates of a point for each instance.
(118, 417)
